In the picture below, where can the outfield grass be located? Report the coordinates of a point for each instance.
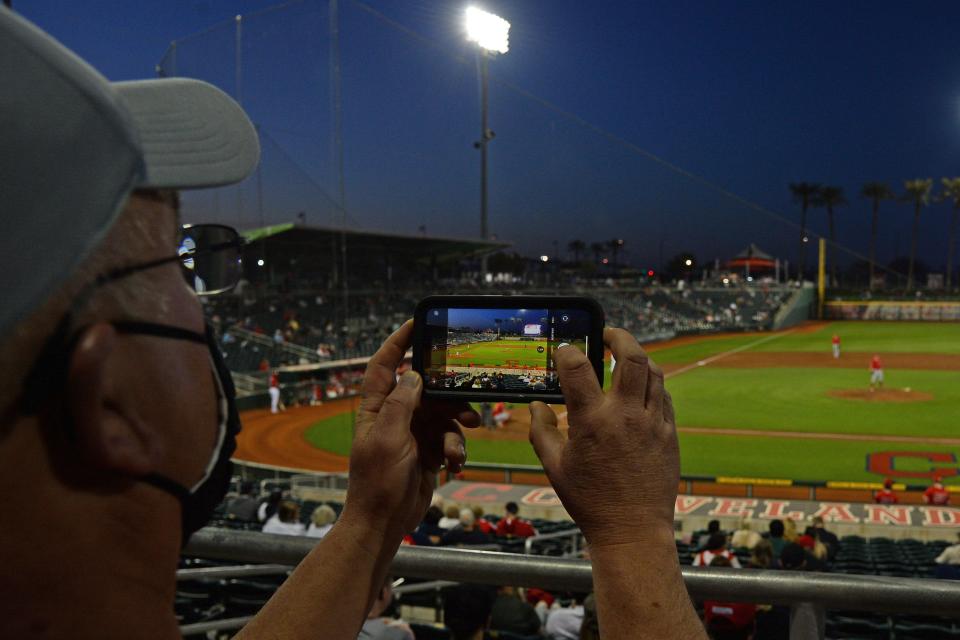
(797, 400)
(879, 337)
(866, 337)
(692, 352)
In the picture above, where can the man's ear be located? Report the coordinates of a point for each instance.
(109, 431)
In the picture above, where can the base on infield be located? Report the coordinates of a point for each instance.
(881, 395)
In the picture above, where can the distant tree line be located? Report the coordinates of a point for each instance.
(918, 193)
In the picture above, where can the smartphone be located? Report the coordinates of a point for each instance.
(501, 347)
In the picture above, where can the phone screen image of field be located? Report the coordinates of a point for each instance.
(500, 350)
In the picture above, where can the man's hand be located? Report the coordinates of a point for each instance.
(617, 472)
(399, 445)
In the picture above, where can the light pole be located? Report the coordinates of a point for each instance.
(491, 33)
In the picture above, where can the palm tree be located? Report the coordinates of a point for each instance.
(918, 192)
(805, 193)
(615, 246)
(830, 197)
(576, 247)
(951, 192)
(597, 248)
(875, 191)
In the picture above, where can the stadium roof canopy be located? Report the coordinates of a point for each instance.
(754, 258)
(294, 239)
(314, 254)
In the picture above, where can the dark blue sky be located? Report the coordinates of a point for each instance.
(748, 95)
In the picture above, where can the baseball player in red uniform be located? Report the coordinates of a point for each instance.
(936, 493)
(886, 495)
(836, 346)
(876, 372)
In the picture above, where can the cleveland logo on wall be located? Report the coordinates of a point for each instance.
(485, 493)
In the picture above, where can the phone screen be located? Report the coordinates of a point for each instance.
(499, 350)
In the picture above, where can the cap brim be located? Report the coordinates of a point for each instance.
(192, 134)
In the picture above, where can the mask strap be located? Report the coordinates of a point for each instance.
(159, 330)
(164, 483)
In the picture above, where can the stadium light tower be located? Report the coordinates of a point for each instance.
(492, 35)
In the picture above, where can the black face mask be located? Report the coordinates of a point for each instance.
(198, 502)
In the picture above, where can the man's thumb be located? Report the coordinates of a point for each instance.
(546, 439)
(397, 409)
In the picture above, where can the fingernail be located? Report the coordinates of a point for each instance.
(563, 344)
(463, 453)
(410, 379)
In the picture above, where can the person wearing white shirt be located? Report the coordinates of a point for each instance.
(950, 555)
(321, 521)
(286, 521)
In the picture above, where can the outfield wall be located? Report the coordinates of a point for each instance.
(940, 311)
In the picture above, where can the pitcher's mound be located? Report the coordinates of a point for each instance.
(881, 395)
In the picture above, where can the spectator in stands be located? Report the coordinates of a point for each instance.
(886, 495)
(482, 523)
(793, 557)
(565, 618)
(466, 611)
(465, 533)
(776, 537)
(244, 506)
(321, 521)
(950, 555)
(451, 517)
(429, 531)
(936, 494)
(816, 551)
(713, 527)
(716, 546)
(377, 626)
(728, 620)
(268, 508)
(761, 556)
(744, 538)
(790, 533)
(512, 614)
(828, 538)
(286, 521)
(511, 525)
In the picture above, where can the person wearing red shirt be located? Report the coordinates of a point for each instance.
(836, 346)
(482, 523)
(936, 493)
(513, 526)
(876, 372)
(886, 495)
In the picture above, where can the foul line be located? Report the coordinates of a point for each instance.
(812, 435)
(703, 363)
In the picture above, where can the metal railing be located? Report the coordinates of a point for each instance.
(808, 594)
(573, 534)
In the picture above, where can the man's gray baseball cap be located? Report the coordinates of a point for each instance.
(73, 146)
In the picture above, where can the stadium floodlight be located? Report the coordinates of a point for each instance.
(544, 258)
(489, 31)
(688, 262)
(260, 262)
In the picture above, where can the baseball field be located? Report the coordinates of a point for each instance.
(504, 353)
(779, 405)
